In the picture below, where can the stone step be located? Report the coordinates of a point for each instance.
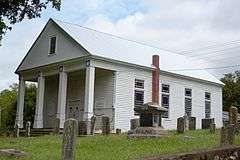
(39, 131)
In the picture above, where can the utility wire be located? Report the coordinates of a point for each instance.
(112, 35)
(210, 68)
(214, 52)
(209, 47)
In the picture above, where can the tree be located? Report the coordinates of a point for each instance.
(8, 105)
(231, 90)
(14, 11)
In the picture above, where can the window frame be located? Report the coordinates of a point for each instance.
(49, 44)
(138, 89)
(165, 93)
(188, 89)
(188, 97)
(208, 101)
(139, 81)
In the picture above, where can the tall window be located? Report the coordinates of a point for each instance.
(139, 93)
(188, 102)
(207, 105)
(165, 99)
(52, 48)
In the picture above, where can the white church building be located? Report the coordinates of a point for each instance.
(82, 72)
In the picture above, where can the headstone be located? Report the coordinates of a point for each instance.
(180, 125)
(233, 115)
(192, 123)
(135, 123)
(82, 128)
(93, 121)
(28, 129)
(227, 135)
(69, 139)
(118, 131)
(206, 122)
(212, 128)
(12, 153)
(105, 125)
(17, 127)
(56, 128)
(186, 122)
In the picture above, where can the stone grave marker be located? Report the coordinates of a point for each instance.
(180, 125)
(56, 128)
(69, 139)
(212, 128)
(82, 128)
(233, 115)
(17, 127)
(28, 129)
(206, 122)
(118, 131)
(134, 123)
(105, 125)
(227, 135)
(186, 122)
(93, 122)
(192, 123)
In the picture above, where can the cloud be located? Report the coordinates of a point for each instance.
(175, 25)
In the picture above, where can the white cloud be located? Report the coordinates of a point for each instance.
(176, 25)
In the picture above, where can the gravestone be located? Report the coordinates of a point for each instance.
(56, 128)
(17, 127)
(227, 135)
(192, 123)
(82, 128)
(186, 122)
(118, 131)
(206, 122)
(134, 123)
(180, 125)
(233, 115)
(105, 125)
(69, 139)
(28, 129)
(93, 121)
(212, 128)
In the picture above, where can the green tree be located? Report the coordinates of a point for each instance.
(14, 11)
(231, 90)
(8, 104)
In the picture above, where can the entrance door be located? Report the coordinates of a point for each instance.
(73, 109)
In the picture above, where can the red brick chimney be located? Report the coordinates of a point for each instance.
(155, 79)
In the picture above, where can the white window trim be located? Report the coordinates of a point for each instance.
(169, 94)
(49, 45)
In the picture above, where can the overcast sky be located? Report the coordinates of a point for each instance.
(210, 28)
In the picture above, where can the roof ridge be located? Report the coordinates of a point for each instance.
(119, 37)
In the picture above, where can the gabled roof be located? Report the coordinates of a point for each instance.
(117, 48)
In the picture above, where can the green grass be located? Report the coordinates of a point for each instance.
(112, 147)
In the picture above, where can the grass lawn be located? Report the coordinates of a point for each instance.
(112, 147)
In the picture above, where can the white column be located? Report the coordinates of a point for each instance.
(62, 96)
(38, 119)
(89, 92)
(20, 102)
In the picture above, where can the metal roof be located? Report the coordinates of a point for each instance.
(117, 48)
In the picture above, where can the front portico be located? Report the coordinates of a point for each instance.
(71, 90)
